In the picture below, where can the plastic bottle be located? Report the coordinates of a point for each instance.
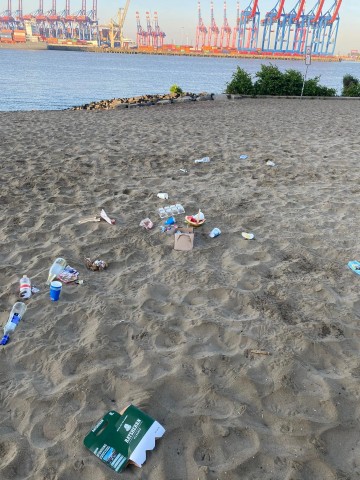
(57, 267)
(16, 314)
(25, 287)
(202, 160)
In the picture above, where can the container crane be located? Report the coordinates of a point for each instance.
(149, 30)
(225, 31)
(327, 31)
(7, 21)
(284, 30)
(214, 31)
(116, 30)
(158, 35)
(301, 27)
(201, 31)
(271, 17)
(19, 12)
(249, 27)
(141, 34)
(236, 28)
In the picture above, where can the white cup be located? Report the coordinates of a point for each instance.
(164, 196)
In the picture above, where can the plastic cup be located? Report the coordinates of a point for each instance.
(170, 221)
(215, 232)
(55, 290)
(163, 195)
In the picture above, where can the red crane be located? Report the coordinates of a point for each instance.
(336, 11)
(149, 30)
(94, 11)
(140, 32)
(225, 31)
(236, 28)
(201, 31)
(19, 11)
(39, 14)
(300, 11)
(213, 29)
(157, 34)
(280, 10)
(318, 13)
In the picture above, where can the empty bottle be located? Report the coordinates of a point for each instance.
(56, 268)
(16, 314)
(202, 160)
(25, 287)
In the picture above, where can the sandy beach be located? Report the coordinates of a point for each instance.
(172, 332)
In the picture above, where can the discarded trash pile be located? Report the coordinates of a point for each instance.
(145, 101)
(119, 439)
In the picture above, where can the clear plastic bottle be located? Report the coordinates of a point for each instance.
(57, 267)
(202, 160)
(25, 287)
(16, 314)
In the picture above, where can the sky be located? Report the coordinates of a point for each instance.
(178, 18)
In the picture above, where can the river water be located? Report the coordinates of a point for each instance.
(53, 80)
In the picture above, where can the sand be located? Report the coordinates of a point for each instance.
(171, 331)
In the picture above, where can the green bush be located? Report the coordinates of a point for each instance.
(240, 84)
(313, 89)
(176, 89)
(269, 81)
(351, 86)
(273, 82)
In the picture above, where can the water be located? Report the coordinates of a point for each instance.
(53, 80)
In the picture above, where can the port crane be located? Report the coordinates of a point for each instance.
(325, 35)
(201, 31)
(271, 17)
(225, 31)
(236, 28)
(116, 31)
(249, 27)
(213, 30)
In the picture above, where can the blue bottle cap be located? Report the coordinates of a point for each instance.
(4, 340)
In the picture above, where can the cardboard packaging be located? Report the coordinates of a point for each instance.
(122, 438)
(184, 239)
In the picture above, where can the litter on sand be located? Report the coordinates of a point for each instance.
(163, 195)
(202, 160)
(354, 265)
(270, 163)
(90, 219)
(146, 223)
(195, 220)
(122, 438)
(183, 170)
(243, 157)
(95, 265)
(68, 275)
(215, 232)
(105, 217)
(248, 236)
(171, 210)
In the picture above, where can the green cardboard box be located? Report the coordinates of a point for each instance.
(122, 438)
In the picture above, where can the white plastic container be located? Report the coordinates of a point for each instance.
(163, 195)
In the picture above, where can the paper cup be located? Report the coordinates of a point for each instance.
(55, 290)
(163, 195)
